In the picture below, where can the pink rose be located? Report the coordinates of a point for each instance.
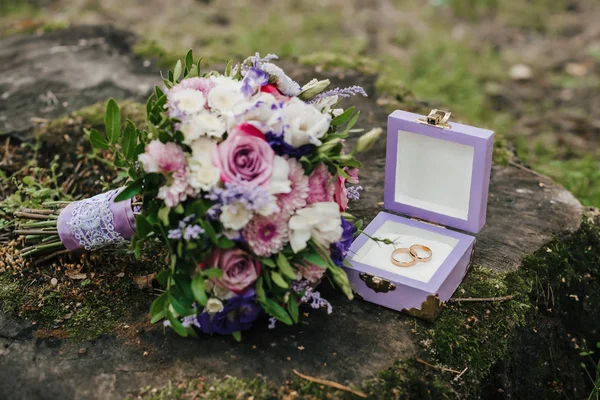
(271, 89)
(311, 272)
(245, 156)
(240, 270)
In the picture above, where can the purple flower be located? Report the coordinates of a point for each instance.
(238, 315)
(340, 249)
(309, 295)
(254, 198)
(354, 192)
(254, 79)
(346, 92)
(282, 148)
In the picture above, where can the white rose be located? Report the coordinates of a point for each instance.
(202, 175)
(305, 124)
(321, 221)
(203, 124)
(224, 95)
(214, 306)
(279, 179)
(189, 101)
(235, 216)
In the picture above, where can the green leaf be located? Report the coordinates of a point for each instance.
(260, 290)
(112, 121)
(131, 190)
(352, 122)
(343, 117)
(285, 267)
(198, 289)
(210, 231)
(316, 259)
(157, 309)
(181, 305)
(97, 139)
(142, 226)
(129, 140)
(268, 262)
(177, 71)
(163, 276)
(212, 273)
(278, 280)
(237, 335)
(225, 243)
(177, 325)
(341, 279)
(293, 309)
(28, 180)
(163, 215)
(228, 68)
(189, 60)
(276, 311)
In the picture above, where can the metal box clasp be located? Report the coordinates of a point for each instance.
(438, 118)
(379, 285)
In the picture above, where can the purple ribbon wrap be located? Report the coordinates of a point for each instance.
(96, 222)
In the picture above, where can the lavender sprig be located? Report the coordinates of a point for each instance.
(346, 92)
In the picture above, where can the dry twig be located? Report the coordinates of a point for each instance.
(436, 367)
(474, 299)
(332, 384)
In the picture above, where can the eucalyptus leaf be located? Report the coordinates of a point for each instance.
(131, 190)
(276, 311)
(198, 289)
(97, 139)
(285, 267)
(278, 280)
(112, 121)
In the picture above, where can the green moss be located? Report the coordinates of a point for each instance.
(330, 60)
(150, 49)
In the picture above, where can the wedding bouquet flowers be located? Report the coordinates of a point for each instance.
(245, 177)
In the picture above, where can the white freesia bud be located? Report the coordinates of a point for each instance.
(311, 89)
(327, 146)
(366, 141)
(214, 306)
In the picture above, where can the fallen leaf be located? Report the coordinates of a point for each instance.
(144, 281)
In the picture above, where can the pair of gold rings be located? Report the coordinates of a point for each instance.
(412, 252)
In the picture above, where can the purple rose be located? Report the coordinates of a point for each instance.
(340, 248)
(239, 269)
(237, 315)
(245, 156)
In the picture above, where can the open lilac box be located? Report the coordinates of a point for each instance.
(436, 173)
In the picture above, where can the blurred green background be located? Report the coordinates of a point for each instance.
(529, 69)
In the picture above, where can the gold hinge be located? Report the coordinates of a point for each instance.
(379, 285)
(437, 118)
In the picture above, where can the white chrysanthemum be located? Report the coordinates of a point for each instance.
(321, 221)
(189, 101)
(202, 149)
(305, 124)
(201, 175)
(284, 83)
(225, 95)
(203, 124)
(235, 216)
(280, 183)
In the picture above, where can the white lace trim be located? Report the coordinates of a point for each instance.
(93, 224)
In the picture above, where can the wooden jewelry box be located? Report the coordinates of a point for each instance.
(437, 178)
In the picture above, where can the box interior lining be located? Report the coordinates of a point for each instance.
(434, 174)
(377, 254)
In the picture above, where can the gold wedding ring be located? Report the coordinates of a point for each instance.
(403, 264)
(413, 250)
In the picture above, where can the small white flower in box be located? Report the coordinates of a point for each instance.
(437, 178)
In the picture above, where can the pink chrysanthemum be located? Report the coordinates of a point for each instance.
(296, 198)
(267, 235)
(162, 157)
(320, 185)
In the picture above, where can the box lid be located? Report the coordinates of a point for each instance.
(438, 174)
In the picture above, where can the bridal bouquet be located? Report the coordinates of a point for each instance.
(244, 176)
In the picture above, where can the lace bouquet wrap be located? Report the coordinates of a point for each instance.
(245, 178)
